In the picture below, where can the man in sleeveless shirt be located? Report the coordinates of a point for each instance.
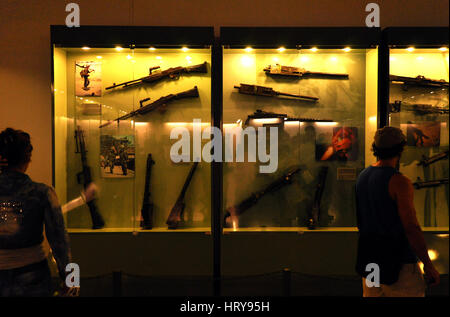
(390, 236)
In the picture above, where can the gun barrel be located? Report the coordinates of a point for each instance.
(428, 184)
(433, 159)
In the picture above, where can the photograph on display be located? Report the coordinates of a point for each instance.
(88, 79)
(117, 156)
(336, 143)
(424, 134)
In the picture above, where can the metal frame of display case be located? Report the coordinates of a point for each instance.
(402, 37)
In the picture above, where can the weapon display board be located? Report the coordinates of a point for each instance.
(328, 125)
(93, 87)
(418, 96)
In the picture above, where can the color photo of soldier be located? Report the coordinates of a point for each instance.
(336, 143)
(425, 134)
(88, 80)
(117, 156)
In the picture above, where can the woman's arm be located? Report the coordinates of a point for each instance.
(55, 232)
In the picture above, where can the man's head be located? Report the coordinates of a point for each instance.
(388, 143)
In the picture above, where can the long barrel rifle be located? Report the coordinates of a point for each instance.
(419, 184)
(420, 81)
(159, 104)
(269, 92)
(147, 206)
(176, 216)
(171, 73)
(249, 202)
(433, 159)
(261, 114)
(297, 72)
(421, 109)
(84, 177)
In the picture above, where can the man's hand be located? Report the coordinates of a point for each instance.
(90, 192)
(432, 276)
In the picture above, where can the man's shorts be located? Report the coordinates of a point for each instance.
(410, 284)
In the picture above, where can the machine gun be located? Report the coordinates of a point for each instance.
(432, 159)
(260, 114)
(159, 104)
(434, 183)
(314, 215)
(239, 209)
(269, 92)
(176, 217)
(420, 81)
(172, 73)
(85, 178)
(397, 106)
(296, 72)
(147, 206)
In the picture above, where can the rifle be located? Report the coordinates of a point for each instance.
(269, 92)
(279, 183)
(160, 104)
(147, 206)
(84, 177)
(261, 114)
(432, 159)
(176, 216)
(290, 71)
(396, 107)
(313, 217)
(420, 81)
(434, 183)
(172, 73)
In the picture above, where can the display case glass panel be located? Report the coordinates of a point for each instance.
(87, 105)
(323, 123)
(418, 97)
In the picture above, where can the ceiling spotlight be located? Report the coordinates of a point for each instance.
(443, 49)
(410, 49)
(152, 48)
(314, 49)
(281, 49)
(119, 48)
(346, 49)
(184, 49)
(85, 48)
(248, 49)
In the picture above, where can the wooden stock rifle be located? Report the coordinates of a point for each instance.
(159, 104)
(171, 73)
(297, 72)
(147, 206)
(269, 92)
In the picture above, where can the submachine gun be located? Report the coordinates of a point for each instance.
(246, 204)
(84, 177)
(261, 114)
(433, 159)
(421, 109)
(420, 81)
(147, 206)
(171, 73)
(176, 216)
(159, 104)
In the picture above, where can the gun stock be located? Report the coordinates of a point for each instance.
(176, 216)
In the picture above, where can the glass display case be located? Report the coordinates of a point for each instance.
(301, 106)
(122, 98)
(418, 104)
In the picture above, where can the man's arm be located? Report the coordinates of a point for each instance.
(402, 191)
(56, 234)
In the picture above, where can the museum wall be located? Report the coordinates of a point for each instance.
(25, 60)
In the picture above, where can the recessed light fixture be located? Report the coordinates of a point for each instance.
(152, 48)
(119, 48)
(281, 49)
(443, 49)
(85, 48)
(248, 49)
(347, 49)
(99, 57)
(314, 49)
(184, 49)
(410, 49)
